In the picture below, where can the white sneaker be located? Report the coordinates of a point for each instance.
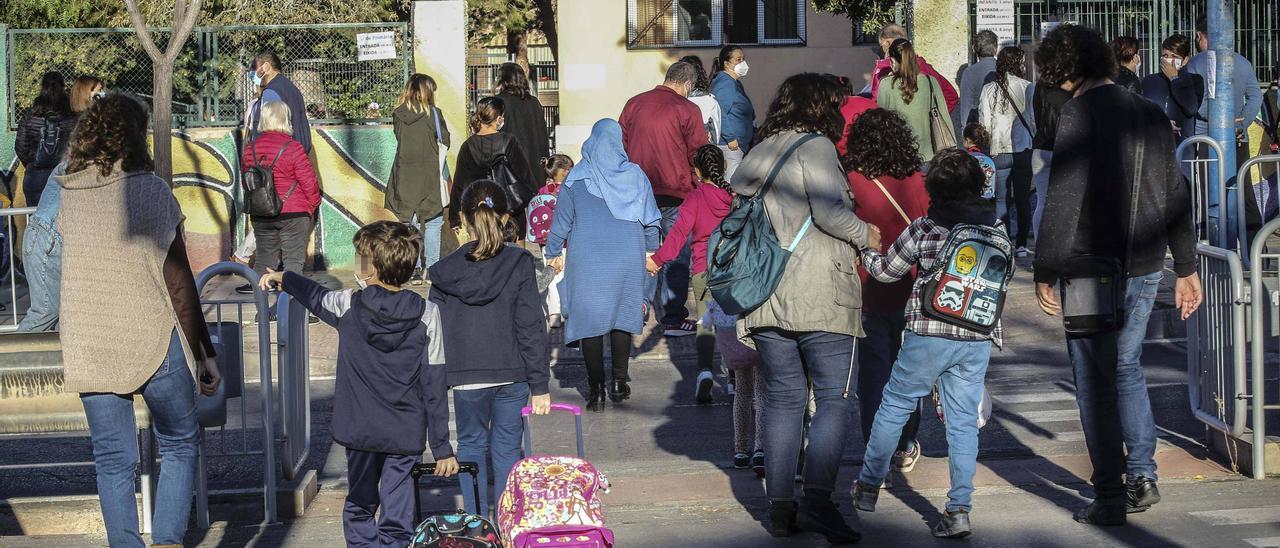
(706, 380)
(1023, 252)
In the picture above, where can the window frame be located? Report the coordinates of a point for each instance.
(717, 27)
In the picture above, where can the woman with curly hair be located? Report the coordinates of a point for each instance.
(912, 93)
(883, 163)
(805, 331)
(122, 210)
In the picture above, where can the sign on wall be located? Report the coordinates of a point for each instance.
(997, 16)
(372, 46)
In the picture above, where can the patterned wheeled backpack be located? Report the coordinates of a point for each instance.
(554, 500)
(457, 529)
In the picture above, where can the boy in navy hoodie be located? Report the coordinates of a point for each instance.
(390, 391)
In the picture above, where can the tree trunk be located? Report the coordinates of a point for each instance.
(162, 110)
(547, 23)
(518, 45)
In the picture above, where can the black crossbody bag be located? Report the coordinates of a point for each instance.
(1093, 286)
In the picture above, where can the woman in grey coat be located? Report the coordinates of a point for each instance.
(414, 193)
(806, 330)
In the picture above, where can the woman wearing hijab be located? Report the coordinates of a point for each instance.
(607, 212)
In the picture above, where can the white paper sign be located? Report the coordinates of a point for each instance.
(372, 46)
(1211, 79)
(997, 16)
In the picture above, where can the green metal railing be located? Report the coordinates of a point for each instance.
(211, 81)
(1151, 21)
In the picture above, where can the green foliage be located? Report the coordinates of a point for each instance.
(490, 19)
(871, 13)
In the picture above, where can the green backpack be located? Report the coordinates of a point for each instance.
(745, 261)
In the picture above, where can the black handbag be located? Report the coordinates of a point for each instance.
(1093, 286)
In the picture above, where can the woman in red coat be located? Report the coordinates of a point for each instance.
(283, 239)
(883, 163)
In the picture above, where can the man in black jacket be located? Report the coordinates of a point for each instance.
(1109, 143)
(275, 84)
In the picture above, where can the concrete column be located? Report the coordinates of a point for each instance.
(440, 51)
(941, 34)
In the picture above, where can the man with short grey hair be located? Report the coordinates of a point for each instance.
(661, 130)
(975, 76)
(884, 66)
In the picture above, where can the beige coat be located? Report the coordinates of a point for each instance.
(116, 314)
(820, 289)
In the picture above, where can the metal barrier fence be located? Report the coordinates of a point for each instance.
(1216, 364)
(282, 436)
(1264, 288)
(1254, 171)
(10, 230)
(1201, 170)
(211, 81)
(1257, 25)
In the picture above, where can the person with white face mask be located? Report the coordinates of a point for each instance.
(1172, 87)
(1125, 49)
(737, 115)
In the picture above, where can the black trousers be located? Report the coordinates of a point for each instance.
(281, 240)
(593, 354)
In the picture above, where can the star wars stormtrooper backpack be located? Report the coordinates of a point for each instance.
(968, 283)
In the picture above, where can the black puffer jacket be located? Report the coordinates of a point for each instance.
(28, 138)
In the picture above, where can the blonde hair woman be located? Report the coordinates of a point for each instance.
(283, 238)
(414, 192)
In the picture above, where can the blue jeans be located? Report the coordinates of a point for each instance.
(961, 368)
(670, 289)
(379, 481)
(489, 426)
(430, 238)
(170, 396)
(791, 362)
(1110, 384)
(876, 354)
(42, 255)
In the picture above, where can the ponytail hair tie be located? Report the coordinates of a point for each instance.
(488, 202)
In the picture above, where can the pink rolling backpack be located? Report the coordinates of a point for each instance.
(552, 501)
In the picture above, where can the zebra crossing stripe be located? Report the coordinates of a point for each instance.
(1034, 397)
(1269, 542)
(1241, 516)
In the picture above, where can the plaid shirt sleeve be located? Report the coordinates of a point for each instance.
(897, 263)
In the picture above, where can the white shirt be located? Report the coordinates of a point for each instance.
(710, 114)
(1008, 134)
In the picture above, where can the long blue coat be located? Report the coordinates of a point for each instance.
(604, 275)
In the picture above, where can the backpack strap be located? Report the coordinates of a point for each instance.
(773, 174)
(435, 115)
(891, 200)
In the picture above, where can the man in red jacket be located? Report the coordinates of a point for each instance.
(884, 66)
(661, 130)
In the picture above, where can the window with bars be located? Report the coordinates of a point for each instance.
(692, 23)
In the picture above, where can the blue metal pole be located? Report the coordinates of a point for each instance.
(1222, 115)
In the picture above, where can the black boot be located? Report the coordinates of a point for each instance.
(619, 391)
(818, 514)
(782, 518)
(1141, 494)
(595, 399)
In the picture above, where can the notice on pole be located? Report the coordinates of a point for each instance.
(997, 16)
(1211, 79)
(372, 46)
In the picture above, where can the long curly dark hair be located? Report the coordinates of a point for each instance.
(113, 129)
(1073, 52)
(1011, 60)
(709, 160)
(881, 143)
(808, 103)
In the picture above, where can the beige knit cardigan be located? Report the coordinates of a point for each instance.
(116, 314)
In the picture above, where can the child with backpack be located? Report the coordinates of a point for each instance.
(541, 212)
(390, 399)
(977, 140)
(699, 215)
(495, 337)
(965, 260)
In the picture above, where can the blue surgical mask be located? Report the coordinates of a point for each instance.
(256, 78)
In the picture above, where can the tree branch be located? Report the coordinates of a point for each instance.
(184, 20)
(140, 28)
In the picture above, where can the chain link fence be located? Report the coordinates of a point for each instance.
(211, 75)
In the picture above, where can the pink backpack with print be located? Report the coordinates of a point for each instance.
(553, 500)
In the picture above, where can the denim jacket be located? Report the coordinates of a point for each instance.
(42, 257)
(737, 116)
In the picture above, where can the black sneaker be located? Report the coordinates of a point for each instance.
(818, 514)
(757, 463)
(782, 518)
(741, 461)
(1102, 513)
(864, 497)
(246, 289)
(682, 329)
(953, 525)
(1140, 495)
(312, 320)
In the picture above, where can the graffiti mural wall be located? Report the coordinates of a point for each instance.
(353, 163)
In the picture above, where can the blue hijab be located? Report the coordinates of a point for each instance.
(610, 176)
